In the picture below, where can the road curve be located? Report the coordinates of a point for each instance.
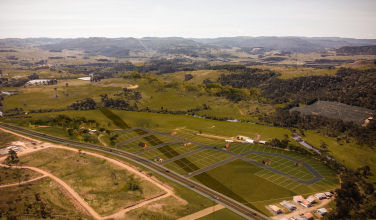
(194, 186)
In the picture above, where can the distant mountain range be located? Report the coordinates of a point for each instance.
(122, 46)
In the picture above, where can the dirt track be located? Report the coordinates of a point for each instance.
(118, 214)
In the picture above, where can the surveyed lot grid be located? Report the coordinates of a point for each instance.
(200, 139)
(243, 148)
(197, 161)
(150, 141)
(169, 152)
(284, 165)
(124, 136)
(298, 188)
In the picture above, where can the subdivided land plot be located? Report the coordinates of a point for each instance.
(197, 161)
(150, 141)
(169, 151)
(284, 165)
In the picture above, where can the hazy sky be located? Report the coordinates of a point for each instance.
(188, 18)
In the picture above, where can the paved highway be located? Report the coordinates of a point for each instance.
(203, 190)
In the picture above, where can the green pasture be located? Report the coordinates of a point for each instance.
(172, 122)
(223, 214)
(150, 141)
(196, 161)
(284, 165)
(240, 178)
(44, 96)
(166, 152)
(349, 154)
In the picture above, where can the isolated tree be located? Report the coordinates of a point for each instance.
(323, 145)
(12, 154)
(66, 84)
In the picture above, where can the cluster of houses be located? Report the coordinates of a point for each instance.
(304, 202)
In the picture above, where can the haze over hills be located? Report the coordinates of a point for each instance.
(120, 46)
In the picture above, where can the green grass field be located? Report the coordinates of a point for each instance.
(259, 187)
(197, 161)
(284, 165)
(223, 214)
(150, 141)
(166, 153)
(172, 122)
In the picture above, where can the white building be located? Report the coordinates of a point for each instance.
(249, 140)
(322, 211)
(1, 114)
(262, 142)
(311, 199)
(320, 196)
(229, 141)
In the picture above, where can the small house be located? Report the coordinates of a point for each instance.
(262, 142)
(142, 144)
(322, 211)
(298, 198)
(275, 209)
(249, 140)
(288, 205)
(92, 131)
(308, 216)
(1, 114)
(311, 199)
(228, 146)
(298, 217)
(185, 143)
(320, 196)
(158, 159)
(266, 161)
(305, 203)
(173, 132)
(229, 141)
(299, 163)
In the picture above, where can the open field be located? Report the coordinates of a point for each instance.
(259, 187)
(284, 165)
(8, 176)
(196, 161)
(6, 138)
(351, 155)
(103, 185)
(337, 111)
(172, 122)
(290, 72)
(24, 204)
(44, 96)
(223, 214)
(195, 201)
(150, 141)
(169, 152)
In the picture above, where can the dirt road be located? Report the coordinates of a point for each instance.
(93, 213)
